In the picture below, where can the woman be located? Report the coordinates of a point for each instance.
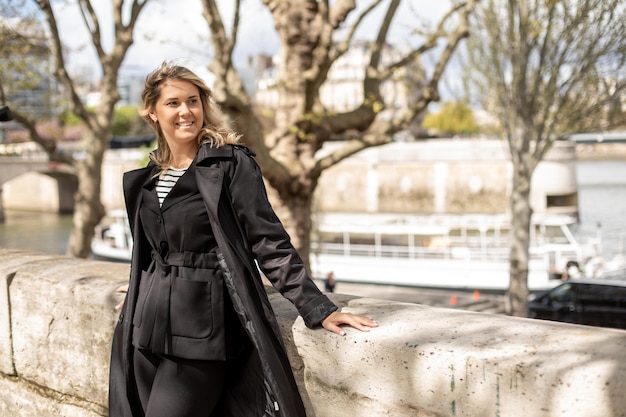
(197, 335)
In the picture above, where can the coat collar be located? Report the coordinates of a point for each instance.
(206, 152)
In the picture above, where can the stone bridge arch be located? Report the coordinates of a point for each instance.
(36, 184)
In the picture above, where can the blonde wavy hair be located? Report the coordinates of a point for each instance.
(214, 130)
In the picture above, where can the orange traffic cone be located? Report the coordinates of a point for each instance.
(453, 300)
(476, 295)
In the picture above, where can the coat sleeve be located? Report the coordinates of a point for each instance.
(271, 245)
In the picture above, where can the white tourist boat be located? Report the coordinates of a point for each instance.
(465, 251)
(447, 251)
(112, 240)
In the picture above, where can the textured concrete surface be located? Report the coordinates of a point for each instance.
(425, 361)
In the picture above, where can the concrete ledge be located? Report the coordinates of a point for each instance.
(425, 361)
(61, 322)
(57, 316)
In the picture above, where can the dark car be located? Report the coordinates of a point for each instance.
(594, 302)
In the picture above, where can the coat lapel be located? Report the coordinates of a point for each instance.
(133, 182)
(149, 195)
(210, 180)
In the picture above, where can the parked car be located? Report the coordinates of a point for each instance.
(593, 302)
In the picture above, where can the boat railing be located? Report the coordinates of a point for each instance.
(410, 252)
(553, 255)
(551, 259)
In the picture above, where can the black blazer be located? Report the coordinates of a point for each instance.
(246, 229)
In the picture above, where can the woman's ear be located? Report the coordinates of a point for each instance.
(153, 117)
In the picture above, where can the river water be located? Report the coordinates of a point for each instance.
(601, 194)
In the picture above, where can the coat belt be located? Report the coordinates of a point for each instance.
(157, 314)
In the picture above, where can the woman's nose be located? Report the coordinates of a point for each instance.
(184, 109)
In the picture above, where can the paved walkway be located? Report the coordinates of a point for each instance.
(447, 298)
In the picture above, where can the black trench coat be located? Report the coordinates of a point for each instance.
(246, 229)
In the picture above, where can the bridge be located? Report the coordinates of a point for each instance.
(14, 166)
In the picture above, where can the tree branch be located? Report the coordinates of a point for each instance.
(48, 146)
(61, 73)
(222, 44)
(343, 46)
(93, 25)
(352, 147)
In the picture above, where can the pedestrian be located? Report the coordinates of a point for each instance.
(196, 334)
(329, 282)
(572, 270)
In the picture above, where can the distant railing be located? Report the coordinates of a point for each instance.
(30, 150)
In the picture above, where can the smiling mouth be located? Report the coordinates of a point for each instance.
(185, 124)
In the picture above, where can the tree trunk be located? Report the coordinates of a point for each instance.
(88, 209)
(521, 212)
(294, 211)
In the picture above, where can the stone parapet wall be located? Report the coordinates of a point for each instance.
(56, 321)
(441, 176)
(57, 317)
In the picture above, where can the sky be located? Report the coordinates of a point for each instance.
(176, 30)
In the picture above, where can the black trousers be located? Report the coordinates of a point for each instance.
(176, 387)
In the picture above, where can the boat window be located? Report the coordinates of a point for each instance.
(330, 237)
(356, 238)
(394, 240)
(552, 234)
(362, 239)
(477, 233)
(562, 201)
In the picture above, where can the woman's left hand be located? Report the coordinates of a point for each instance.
(335, 319)
(122, 289)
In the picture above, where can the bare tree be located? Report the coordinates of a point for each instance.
(88, 209)
(313, 36)
(546, 69)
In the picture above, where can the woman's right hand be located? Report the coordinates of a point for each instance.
(335, 319)
(123, 289)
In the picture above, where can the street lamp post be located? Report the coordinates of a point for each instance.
(5, 116)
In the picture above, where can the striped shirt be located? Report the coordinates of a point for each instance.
(167, 180)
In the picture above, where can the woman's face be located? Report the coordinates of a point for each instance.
(179, 113)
